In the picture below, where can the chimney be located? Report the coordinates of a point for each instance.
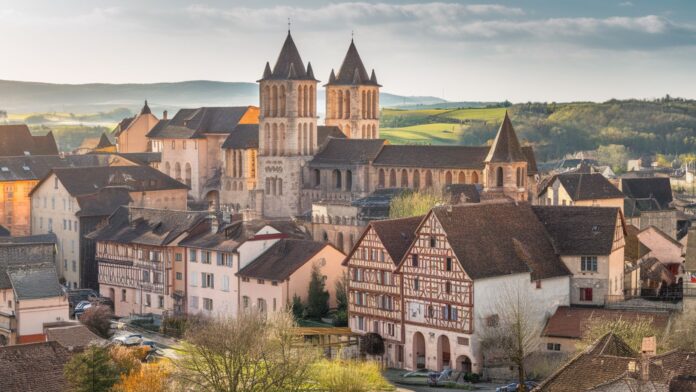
(164, 115)
(214, 224)
(648, 349)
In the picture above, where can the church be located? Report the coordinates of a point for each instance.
(276, 161)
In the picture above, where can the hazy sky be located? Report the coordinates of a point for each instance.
(518, 50)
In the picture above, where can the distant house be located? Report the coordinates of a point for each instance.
(272, 279)
(100, 144)
(666, 249)
(131, 132)
(29, 287)
(70, 202)
(17, 140)
(649, 203)
(568, 325)
(35, 367)
(580, 189)
(73, 336)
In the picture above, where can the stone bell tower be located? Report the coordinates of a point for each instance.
(287, 131)
(505, 170)
(352, 98)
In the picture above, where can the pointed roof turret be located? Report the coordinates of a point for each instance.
(505, 147)
(145, 109)
(104, 142)
(332, 77)
(267, 73)
(310, 71)
(352, 70)
(373, 77)
(288, 58)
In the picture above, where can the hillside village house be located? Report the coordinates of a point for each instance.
(590, 242)
(18, 175)
(95, 145)
(18, 141)
(666, 249)
(140, 261)
(59, 204)
(649, 203)
(29, 289)
(580, 189)
(191, 146)
(215, 256)
(271, 281)
(131, 133)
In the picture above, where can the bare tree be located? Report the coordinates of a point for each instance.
(247, 353)
(512, 329)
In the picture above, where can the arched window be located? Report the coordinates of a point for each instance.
(267, 139)
(499, 177)
(273, 186)
(369, 105)
(312, 102)
(234, 185)
(324, 236)
(167, 169)
(404, 178)
(177, 171)
(336, 176)
(374, 131)
(448, 178)
(281, 141)
(462, 178)
(375, 108)
(428, 179)
(339, 242)
(274, 140)
(380, 181)
(305, 138)
(474, 178)
(340, 104)
(283, 100)
(347, 98)
(362, 132)
(280, 186)
(300, 96)
(392, 178)
(349, 180)
(274, 99)
(416, 179)
(187, 176)
(317, 177)
(268, 185)
(363, 105)
(311, 138)
(266, 101)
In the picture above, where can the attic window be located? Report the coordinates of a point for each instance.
(595, 228)
(26, 168)
(5, 169)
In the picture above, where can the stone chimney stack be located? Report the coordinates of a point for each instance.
(164, 115)
(648, 349)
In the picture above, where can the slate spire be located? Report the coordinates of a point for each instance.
(289, 56)
(505, 147)
(267, 71)
(145, 109)
(352, 70)
(310, 71)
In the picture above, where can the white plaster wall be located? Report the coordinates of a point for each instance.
(33, 313)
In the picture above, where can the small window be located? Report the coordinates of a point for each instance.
(462, 341)
(123, 295)
(416, 284)
(585, 294)
(553, 346)
(179, 276)
(260, 281)
(178, 256)
(588, 263)
(448, 264)
(492, 320)
(433, 242)
(160, 302)
(414, 260)
(448, 287)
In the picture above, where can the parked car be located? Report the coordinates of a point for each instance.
(418, 373)
(513, 387)
(81, 307)
(128, 340)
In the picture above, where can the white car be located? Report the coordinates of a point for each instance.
(128, 340)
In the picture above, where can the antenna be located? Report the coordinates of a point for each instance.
(289, 23)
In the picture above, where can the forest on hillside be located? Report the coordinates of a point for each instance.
(646, 127)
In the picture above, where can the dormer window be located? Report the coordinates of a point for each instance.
(433, 242)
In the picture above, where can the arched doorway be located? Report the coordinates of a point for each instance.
(112, 294)
(443, 353)
(213, 199)
(418, 351)
(463, 364)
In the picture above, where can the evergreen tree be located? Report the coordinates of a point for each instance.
(318, 297)
(341, 319)
(91, 371)
(297, 308)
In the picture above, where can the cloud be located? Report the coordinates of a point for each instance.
(626, 4)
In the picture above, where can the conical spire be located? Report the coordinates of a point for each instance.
(332, 77)
(267, 71)
(373, 77)
(352, 65)
(505, 147)
(145, 109)
(104, 142)
(289, 56)
(310, 71)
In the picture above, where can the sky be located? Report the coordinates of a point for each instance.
(533, 50)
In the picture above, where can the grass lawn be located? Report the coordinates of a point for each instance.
(437, 133)
(485, 114)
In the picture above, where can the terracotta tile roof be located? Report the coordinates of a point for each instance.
(244, 136)
(88, 180)
(520, 243)
(506, 147)
(147, 226)
(585, 186)
(282, 259)
(348, 151)
(35, 367)
(352, 71)
(17, 140)
(657, 190)
(73, 337)
(289, 64)
(396, 235)
(570, 321)
(431, 156)
(579, 230)
(195, 123)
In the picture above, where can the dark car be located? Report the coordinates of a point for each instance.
(514, 387)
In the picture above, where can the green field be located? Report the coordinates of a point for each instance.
(487, 114)
(438, 133)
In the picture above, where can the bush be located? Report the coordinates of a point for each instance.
(98, 320)
(349, 376)
(372, 344)
(474, 377)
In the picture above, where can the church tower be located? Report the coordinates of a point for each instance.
(287, 130)
(352, 98)
(506, 165)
